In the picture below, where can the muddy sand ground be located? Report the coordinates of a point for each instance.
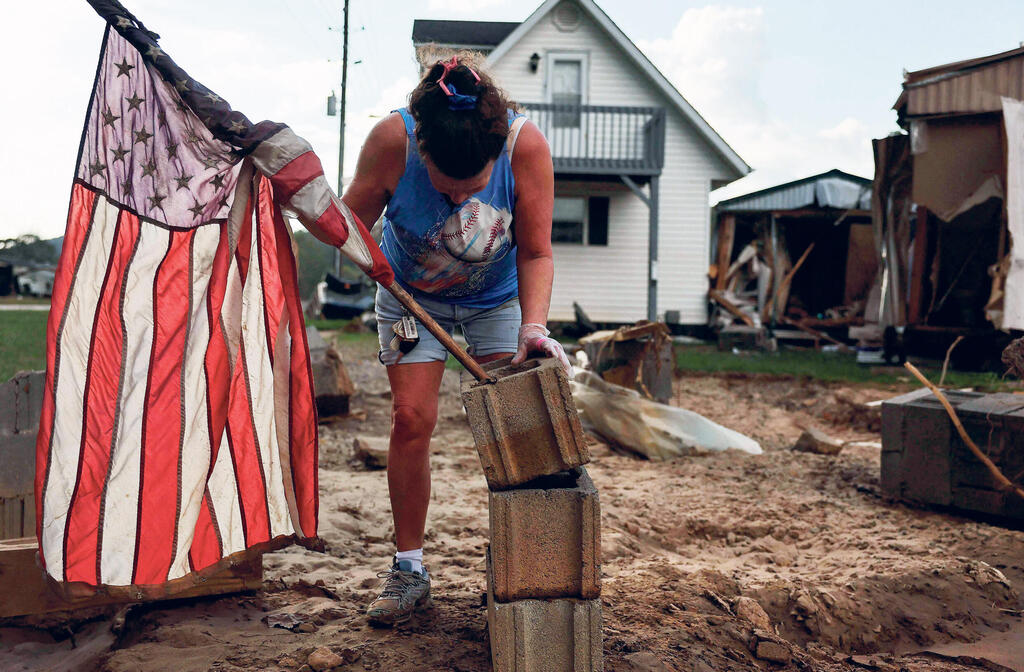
(846, 579)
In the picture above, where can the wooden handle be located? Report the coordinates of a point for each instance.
(440, 334)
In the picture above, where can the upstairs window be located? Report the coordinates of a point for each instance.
(566, 89)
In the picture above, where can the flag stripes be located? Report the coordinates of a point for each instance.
(176, 365)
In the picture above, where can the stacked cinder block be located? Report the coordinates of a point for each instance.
(21, 401)
(543, 566)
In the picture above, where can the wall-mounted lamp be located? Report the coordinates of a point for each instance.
(534, 62)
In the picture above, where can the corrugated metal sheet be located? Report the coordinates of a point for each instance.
(834, 189)
(966, 87)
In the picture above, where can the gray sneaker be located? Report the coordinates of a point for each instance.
(403, 592)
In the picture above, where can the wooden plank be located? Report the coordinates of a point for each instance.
(917, 273)
(25, 590)
(726, 239)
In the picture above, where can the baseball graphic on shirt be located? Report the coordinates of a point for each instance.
(477, 232)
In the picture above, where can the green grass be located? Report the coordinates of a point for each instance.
(23, 347)
(825, 366)
(22, 341)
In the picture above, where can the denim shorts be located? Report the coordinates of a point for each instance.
(487, 330)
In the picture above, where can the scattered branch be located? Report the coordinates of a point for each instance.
(945, 364)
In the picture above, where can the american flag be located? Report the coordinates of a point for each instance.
(178, 430)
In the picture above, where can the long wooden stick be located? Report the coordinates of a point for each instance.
(440, 334)
(989, 464)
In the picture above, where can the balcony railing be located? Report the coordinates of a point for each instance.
(602, 139)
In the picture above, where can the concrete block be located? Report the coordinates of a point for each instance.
(546, 538)
(525, 425)
(331, 385)
(925, 460)
(561, 635)
(21, 404)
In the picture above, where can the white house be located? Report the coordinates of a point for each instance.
(631, 157)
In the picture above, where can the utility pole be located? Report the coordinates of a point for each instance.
(341, 115)
(344, 92)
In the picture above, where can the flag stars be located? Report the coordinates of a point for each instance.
(236, 126)
(210, 162)
(124, 67)
(126, 187)
(183, 181)
(154, 52)
(218, 181)
(135, 101)
(191, 137)
(109, 117)
(214, 98)
(148, 168)
(197, 209)
(156, 200)
(96, 168)
(223, 203)
(124, 22)
(119, 153)
(142, 136)
(172, 150)
(181, 85)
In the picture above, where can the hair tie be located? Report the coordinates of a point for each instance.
(456, 101)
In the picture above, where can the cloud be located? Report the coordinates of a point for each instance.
(717, 57)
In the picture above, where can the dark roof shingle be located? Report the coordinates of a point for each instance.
(467, 33)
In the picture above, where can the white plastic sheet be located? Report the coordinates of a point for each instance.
(659, 432)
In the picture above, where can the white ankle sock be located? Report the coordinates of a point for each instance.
(415, 557)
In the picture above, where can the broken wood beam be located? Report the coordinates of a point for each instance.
(717, 297)
(784, 285)
(726, 238)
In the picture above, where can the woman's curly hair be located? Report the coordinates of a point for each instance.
(460, 142)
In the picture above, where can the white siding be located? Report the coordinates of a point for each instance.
(611, 282)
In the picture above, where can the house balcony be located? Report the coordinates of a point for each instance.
(601, 141)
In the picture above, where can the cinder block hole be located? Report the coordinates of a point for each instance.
(560, 481)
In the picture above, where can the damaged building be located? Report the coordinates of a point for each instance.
(948, 218)
(800, 255)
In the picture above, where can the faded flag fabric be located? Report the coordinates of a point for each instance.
(178, 430)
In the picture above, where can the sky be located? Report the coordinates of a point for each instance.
(796, 88)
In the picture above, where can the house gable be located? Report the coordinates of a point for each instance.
(550, 18)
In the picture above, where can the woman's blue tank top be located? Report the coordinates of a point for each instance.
(463, 254)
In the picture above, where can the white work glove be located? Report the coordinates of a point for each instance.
(533, 338)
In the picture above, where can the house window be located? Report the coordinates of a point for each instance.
(567, 90)
(577, 219)
(569, 220)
